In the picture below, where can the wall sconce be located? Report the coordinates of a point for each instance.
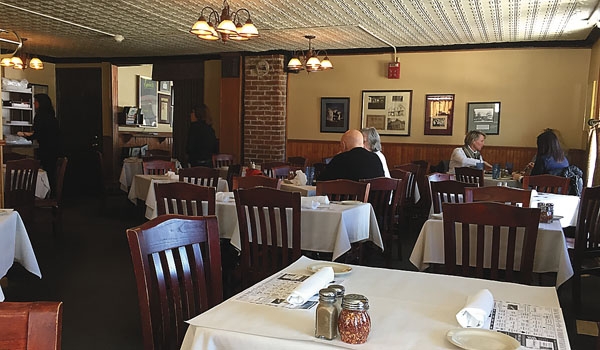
(311, 60)
(229, 26)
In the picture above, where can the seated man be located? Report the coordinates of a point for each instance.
(354, 163)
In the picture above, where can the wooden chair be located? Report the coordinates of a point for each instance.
(232, 171)
(19, 186)
(257, 209)
(54, 202)
(221, 160)
(281, 172)
(435, 177)
(411, 181)
(448, 192)
(200, 175)
(158, 167)
(342, 189)
(177, 266)
(586, 253)
(501, 220)
(384, 196)
(31, 325)
(547, 183)
(267, 166)
(184, 199)
(255, 181)
(499, 194)
(299, 162)
(469, 175)
(406, 203)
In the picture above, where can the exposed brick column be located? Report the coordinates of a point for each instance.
(265, 97)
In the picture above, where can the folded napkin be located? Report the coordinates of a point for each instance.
(309, 203)
(311, 286)
(323, 200)
(300, 178)
(224, 197)
(478, 308)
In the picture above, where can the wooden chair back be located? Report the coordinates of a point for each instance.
(200, 175)
(409, 181)
(158, 167)
(269, 233)
(54, 202)
(31, 325)
(221, 160)
(547, 183)
(184, 199)
(267, 167)
(255, 181)
(586, 252)
(384, 196)
(177, 266)
(342, 189)
(281, 172)
(448, 192)
(469, 175)
(233, 170)
(495, 223)
(19, 186)
(299, 162)
(435, 177)
(499, 194)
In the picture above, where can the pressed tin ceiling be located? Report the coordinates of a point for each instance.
(86, 28)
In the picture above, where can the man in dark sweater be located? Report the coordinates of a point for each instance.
(354, 163)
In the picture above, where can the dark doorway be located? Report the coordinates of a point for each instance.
(79, 110)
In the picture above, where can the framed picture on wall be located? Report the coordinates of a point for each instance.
(164, 87)
(439, 114)
(164, 111)
(148, 100)
(335, 114)
(484, 117)
(387, 111)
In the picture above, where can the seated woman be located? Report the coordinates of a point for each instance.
(372, 142)
(550, 157)
(470, 153)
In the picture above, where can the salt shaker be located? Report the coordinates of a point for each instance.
(326, 315)
(354, 323)
(339, 290)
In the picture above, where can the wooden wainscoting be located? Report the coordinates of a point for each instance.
(400, 153)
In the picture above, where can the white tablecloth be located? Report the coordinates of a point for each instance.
(408, 310)
(142, 188)
(15, 246)
(565, 206)
(330, 229)
(507, 181)
(305, 191)
(131, 167)
(551, 253)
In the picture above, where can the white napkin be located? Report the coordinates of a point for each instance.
(309, 203)
(478, 308)
(311, 286)
(224, 197)
(323, 200)
(300, 178)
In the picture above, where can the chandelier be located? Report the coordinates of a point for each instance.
(229, 25)
(311, 61)
(11, 59)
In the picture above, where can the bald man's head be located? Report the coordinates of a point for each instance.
(351, 139)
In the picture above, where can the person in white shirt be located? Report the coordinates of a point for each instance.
(372, 142)
(470, 153)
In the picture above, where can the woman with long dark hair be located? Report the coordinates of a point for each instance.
(46, 132)
(550, 158)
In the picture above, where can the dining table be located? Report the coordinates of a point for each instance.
(142, 188)
(566, 207)
(407, 309)
(305, 190)
(131, 166)
(551, 253)
(15, 245)
(506, 181)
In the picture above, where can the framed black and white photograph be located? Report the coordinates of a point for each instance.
(439, 114)
(148, 100)
(484, 117)
(387, 111)
(164, 111)
(164, 87)
(334, 114)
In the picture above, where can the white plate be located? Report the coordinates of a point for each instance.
(481, 339)
(338, 269)
(350, 202)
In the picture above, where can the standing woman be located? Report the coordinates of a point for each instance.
(46, 132)
(202, 141)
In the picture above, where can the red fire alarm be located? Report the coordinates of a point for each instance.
(394, 70)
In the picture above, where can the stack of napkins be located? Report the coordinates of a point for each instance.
(477, 310)
(311, 286)
(224, 197)
(299, 179)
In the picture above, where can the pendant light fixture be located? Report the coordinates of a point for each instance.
(229, 26)
(309, 61)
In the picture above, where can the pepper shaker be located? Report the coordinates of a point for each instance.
(326, 315)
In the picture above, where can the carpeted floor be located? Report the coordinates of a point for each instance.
(88, 267)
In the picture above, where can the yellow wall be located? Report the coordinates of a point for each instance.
(212, 91)
(538, 88)
(128, 80)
